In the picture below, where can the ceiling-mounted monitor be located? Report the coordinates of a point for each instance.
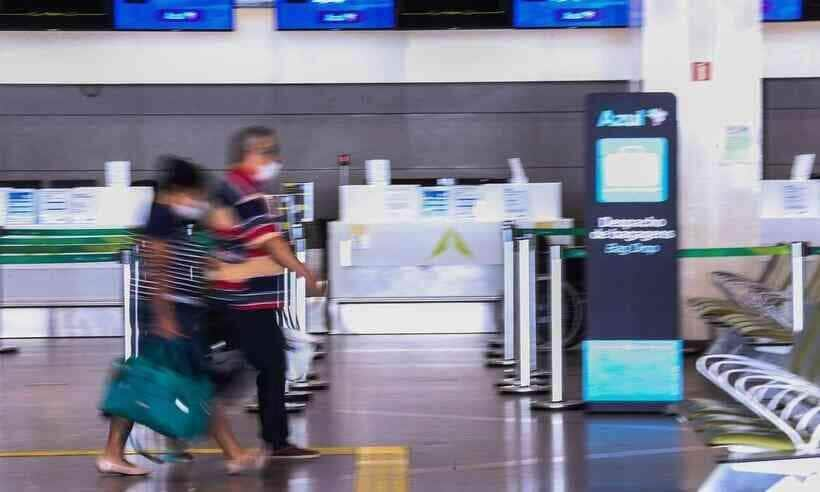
(335, 14)
(173, 15)
(782, 10)
(454, 14)
(616, 13)
(26, 15)
(253, 3)
(570, 13)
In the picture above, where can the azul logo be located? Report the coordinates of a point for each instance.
(655, 117)
(451, 236)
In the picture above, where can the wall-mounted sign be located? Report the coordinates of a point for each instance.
(516, 202)
(465, 199)
(21, 207)
(435, 202)
(54, 206)
(796, 199)
(632, 266)
(701, 71)
(83, 206)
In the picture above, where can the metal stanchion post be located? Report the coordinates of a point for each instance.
(525, 273)
(557, 401)
(296, 392)
(508, 342)
(4, 349)
(798, 286)
(301, 288)
(296, 297)
(128, 334)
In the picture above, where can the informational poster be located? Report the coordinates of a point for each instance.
(465, 199)
(401, 204)
(738, 144)
(435, 202)
(21, 207)
(83, 206)
(360, 237)
(796, 199)
(632, 244)
(54, 207)
(516, 202)
(302, 194)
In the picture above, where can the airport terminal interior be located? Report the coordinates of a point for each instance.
(403, 245)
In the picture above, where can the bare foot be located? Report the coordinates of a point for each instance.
(119, 466)
(248, 460)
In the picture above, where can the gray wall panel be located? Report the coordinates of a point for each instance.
(503, 98)
(790, 132)
(427, 130)
(792, 93)
(791, 123)
(487, 140)
(70, 100)
(55, 143)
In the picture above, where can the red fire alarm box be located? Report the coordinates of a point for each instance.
(701, 71)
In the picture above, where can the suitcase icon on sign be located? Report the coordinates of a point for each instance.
(632, 170)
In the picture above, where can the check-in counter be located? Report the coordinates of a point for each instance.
(61, 273)
(409, 259)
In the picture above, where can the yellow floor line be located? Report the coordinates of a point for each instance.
(378, 468)
(53, 453)
(382, 469)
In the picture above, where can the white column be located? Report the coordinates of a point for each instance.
(717, 186)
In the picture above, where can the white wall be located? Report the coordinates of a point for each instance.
(256, 53)
(791, 50)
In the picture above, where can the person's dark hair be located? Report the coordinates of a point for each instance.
(242, 141)
(180, 174)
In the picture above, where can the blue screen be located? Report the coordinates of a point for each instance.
(336, 14)
(623, 371)
(615, 13)
(571, 13)
(174, 15)
(782, 10)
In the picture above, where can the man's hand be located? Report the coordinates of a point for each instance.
(311, 284)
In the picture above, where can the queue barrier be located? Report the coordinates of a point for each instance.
(520, 326)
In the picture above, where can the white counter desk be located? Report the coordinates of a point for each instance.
(407, 259)
(790, 211)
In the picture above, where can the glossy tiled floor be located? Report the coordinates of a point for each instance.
(430, 394)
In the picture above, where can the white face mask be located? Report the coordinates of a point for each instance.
(269, 171)
(190, 212)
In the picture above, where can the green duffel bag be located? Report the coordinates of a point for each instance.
(147, 391)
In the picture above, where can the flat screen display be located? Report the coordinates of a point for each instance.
(55, 14)
(615, 13)
(782, 10)
(454, 14)
(571, 13)
(335, 14)
(173, 15)
(616, 371)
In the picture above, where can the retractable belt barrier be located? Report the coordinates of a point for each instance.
(519, 301)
